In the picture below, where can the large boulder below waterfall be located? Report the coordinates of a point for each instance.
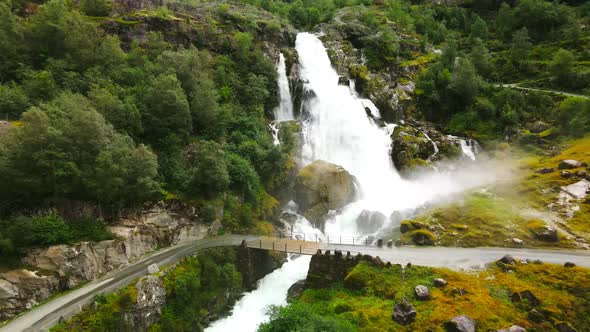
(321, 187)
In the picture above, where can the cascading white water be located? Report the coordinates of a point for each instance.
(284, 111)
(250, 310)
(338, 130)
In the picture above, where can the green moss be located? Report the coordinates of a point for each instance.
(423, 237)
(563, 293)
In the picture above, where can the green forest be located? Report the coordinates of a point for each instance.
(108, 107)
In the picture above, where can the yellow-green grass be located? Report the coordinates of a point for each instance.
(367, 296)
(493, 220)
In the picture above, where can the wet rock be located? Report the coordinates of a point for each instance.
(545, 170)
(460, 324)
(564, 327)
(321, 187)
(343, 81)
(403, 313)
(296, 290)
(569, 264)
(581, 174)
(513, 328)
(525, 296)
(440, 282)
(569, 164)
(370, 221)
(422, 293)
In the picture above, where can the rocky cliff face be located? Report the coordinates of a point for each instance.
(151, 297)
(22, 289)
(67, 266)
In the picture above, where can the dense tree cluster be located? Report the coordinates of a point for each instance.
(94, 124)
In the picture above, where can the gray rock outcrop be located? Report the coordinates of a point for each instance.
(151, 297)
(22, 289)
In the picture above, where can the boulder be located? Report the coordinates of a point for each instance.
(403, 313)
(538, 127)
(460, 324)
(513, 328)
(564, 327)
(508, 260)
(440, 282)
(321, 187)
(370, 221)
(525, 296)
(518, 241)
(546, 233)
(569, 164)
(545, 170)
(422, 293)
(296, 290)
(569, 264)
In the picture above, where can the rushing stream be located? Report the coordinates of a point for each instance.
(337, 129)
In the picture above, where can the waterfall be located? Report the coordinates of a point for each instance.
(250, 311)
(470, 148)
(338, 130)
(284, 112)
(434, 146)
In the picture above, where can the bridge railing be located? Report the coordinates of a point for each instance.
(366, 240)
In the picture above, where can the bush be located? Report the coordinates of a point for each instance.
(89, 229)
(45, 230)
